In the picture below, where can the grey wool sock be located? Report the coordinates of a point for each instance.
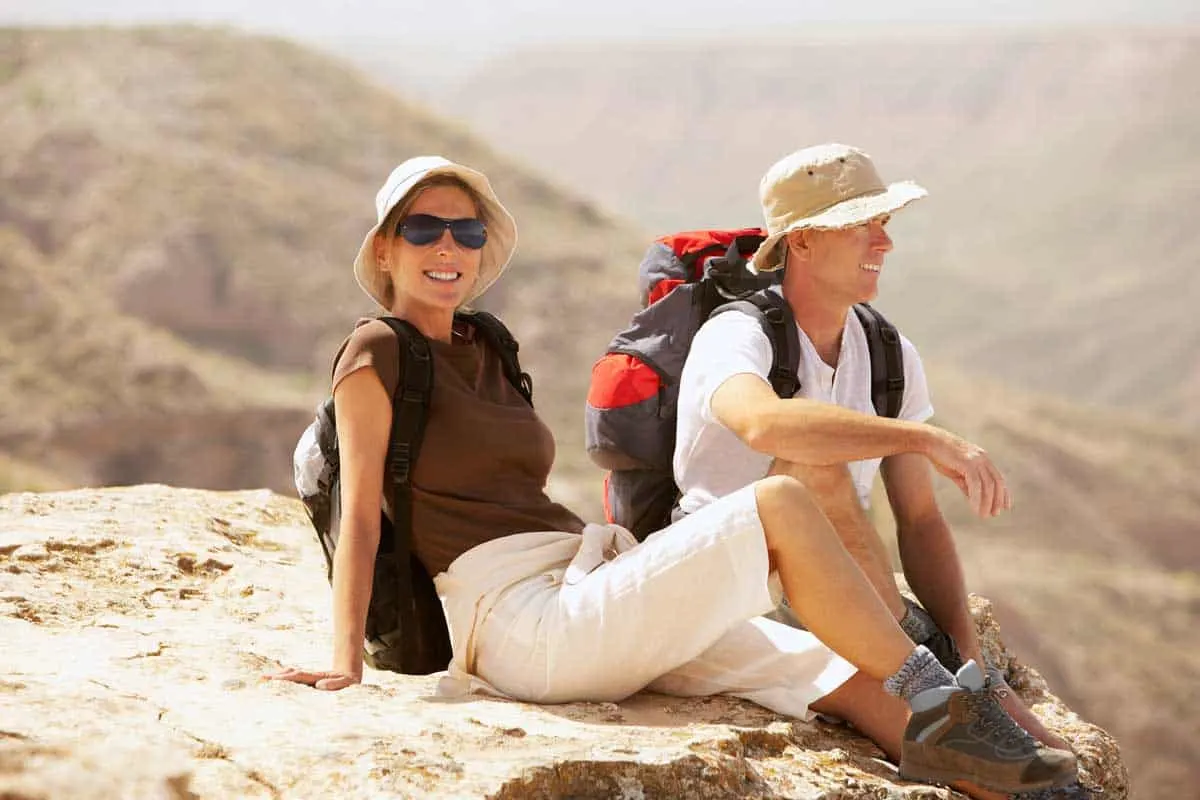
(917, 623)
(920, 671)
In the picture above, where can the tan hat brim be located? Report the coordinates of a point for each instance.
(848, 213)
(497, 252)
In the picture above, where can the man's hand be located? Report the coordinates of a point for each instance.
(326, 681)
(971, 469)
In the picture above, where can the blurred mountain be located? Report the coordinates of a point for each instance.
(180, 211)
(1095, 573)
(1056, 251)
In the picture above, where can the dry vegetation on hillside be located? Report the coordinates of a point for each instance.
(1056, 251)
(185, 204)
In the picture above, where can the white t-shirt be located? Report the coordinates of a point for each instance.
(711, 461)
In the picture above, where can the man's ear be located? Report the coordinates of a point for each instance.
(799, 242)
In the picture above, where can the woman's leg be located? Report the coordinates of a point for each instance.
(644, 616)
(666, 601)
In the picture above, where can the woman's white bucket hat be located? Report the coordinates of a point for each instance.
(501, 228)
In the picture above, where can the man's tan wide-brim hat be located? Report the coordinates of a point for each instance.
(501, 228)
(829, 186)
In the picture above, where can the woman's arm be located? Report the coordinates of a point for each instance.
(364, 418)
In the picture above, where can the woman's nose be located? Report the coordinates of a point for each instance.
(446, 240)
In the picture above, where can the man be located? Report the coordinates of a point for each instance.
(827, 212)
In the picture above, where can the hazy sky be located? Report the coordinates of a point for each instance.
(499, 24)
(433, 42)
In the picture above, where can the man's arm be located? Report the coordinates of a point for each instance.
(927, 553)
(809, 431)
(815, 433)
(934, 573)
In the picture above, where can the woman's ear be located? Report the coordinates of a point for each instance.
(381, 248)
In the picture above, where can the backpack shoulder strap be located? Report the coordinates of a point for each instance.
(887, 361)
(773, 314)
(505, 345)
(410, 407)
(338, 357)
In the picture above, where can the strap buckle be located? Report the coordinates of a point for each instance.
(401, 460)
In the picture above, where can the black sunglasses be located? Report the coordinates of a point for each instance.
(423, 229)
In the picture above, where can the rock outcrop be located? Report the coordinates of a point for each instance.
(135, 626)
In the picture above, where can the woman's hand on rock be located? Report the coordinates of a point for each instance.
(329, 681)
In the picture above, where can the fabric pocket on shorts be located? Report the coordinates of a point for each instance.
(600, 543)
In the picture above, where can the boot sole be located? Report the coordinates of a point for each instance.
(929, 774)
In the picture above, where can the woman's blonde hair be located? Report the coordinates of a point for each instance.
(387, 229)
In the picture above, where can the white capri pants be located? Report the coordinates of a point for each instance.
(553, 617)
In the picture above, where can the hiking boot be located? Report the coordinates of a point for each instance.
(962, 733)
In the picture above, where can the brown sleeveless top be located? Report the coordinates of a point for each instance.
(486, 455)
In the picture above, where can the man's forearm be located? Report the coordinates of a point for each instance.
(815, 433)
(934, 573)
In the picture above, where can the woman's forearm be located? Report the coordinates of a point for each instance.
(353, 572)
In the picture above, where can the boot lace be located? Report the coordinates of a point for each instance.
(993, 721)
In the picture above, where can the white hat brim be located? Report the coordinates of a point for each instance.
(845, 214)
(497, 251)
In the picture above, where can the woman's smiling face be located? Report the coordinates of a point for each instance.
(439, 275)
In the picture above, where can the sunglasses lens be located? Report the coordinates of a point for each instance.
(423, 229)
(470, 233)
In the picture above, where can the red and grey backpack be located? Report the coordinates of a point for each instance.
(684, 279)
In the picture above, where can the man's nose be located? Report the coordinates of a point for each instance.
(883, 242)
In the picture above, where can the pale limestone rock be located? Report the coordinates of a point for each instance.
(132, 656)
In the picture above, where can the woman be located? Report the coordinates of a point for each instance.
(544, 608)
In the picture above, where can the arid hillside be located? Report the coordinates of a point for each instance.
(1056, 251)
(1095, 574)
(179, 214)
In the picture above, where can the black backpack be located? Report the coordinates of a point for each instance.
(406, 627)
(685, 278)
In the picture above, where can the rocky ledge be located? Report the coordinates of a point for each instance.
(136, 623)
